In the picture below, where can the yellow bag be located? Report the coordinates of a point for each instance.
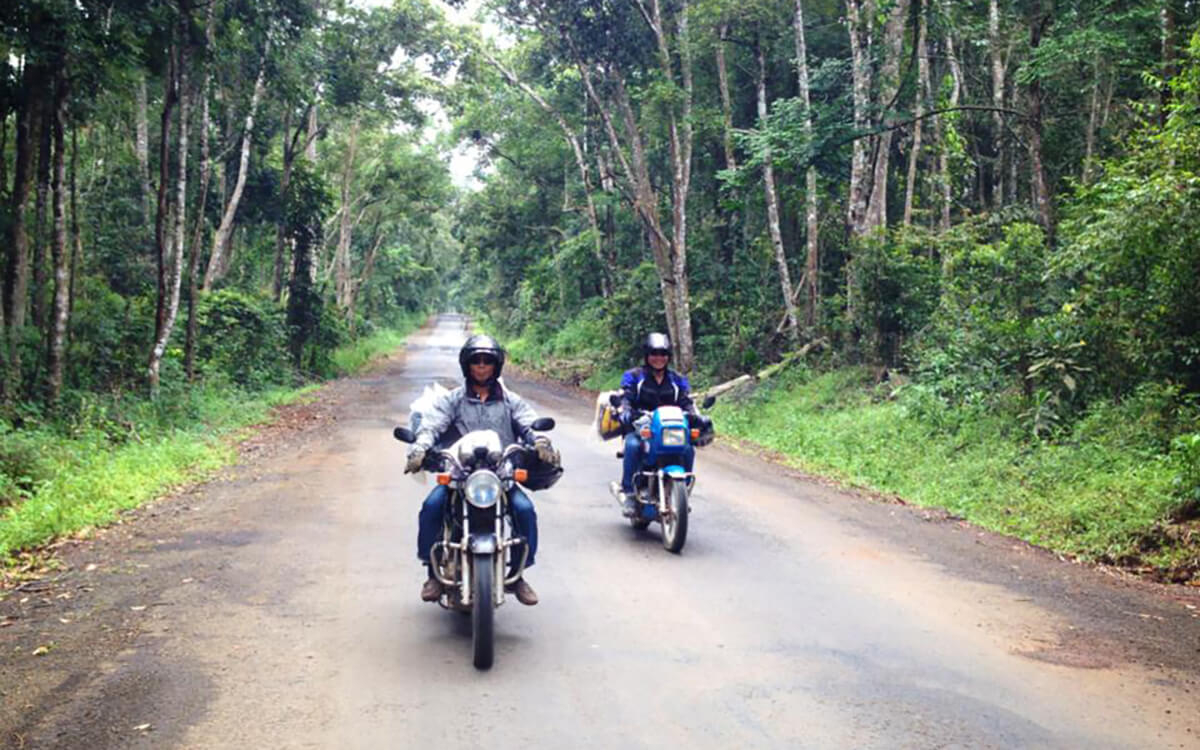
(608, 425)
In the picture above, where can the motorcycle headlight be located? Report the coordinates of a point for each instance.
(674, 436)
(483, 489)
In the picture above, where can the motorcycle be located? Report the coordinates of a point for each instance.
(478, 542)
(663, 488)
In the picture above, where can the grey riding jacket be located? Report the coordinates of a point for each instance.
(504, 411)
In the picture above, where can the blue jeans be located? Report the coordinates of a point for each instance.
(633, 460)
(433, 510)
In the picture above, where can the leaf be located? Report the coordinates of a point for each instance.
(41, 650)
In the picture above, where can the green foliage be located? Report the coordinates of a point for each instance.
(355, 355)
(897, 283)
(1095, 494)
(23, 463)
(1185, 452)
(980, 339)
(242, 338)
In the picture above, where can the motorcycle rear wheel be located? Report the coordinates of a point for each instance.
(483, 610)
(675, 523)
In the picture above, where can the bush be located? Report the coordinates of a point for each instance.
(243, 338)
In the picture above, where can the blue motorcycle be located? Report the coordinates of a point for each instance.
(663, 486)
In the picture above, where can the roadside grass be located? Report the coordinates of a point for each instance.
(1100, 493)
(118, 454)
(354, 356)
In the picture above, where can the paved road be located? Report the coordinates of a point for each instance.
(278, 607)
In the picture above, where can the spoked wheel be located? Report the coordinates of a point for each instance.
(483, 610)
(675, 523)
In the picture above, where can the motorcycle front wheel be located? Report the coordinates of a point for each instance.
(483, 610)
(675, 522)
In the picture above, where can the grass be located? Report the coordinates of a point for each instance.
(1091, 494)
(64, 479)
(354, 356)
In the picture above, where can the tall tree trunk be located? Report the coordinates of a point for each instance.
(76, 233)
(776, 234)
(726, 102)
(189, 347)
(217, 260)
(914, 154)
(41, 235)
(4, 110)
(162, 237)
(1039, 186)
(811, 225)
(889, 85)
(1170, 57)
(172, 273)
(61, 258)
(1093, 122)
(142, 146)
(859, 14)
(996, 54)
(945, 181)
(289, 155)
(607, 265)
(310, 149)
(729, 226)
(302, 302)
(669, 252)
(341, 257)
(681, 177)
(293, 147)
(16, 277)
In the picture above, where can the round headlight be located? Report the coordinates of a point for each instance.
(483, 489)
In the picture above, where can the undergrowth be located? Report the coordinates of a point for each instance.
(1109, 489)
(114, 452)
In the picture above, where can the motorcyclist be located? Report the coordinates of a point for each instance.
(644, 389)
(481, 403)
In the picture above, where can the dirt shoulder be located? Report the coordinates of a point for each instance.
(87, 612)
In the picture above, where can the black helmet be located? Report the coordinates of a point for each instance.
(656, 342)
(541, 475)
(480, 344)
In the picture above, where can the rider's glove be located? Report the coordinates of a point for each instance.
(416, 456)
(626, 418)
(705, 425)
(546, 452)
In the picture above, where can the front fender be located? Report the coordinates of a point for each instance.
(484, 544)
(675, 472)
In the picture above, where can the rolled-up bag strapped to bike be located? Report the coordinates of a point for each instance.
(421, 406)
(608, 425)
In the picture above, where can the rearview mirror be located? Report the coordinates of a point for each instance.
(708, 401)
(404, 435)
(543, 424)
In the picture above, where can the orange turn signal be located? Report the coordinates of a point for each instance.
(520, 475)
(443, 479)
(695, 434)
